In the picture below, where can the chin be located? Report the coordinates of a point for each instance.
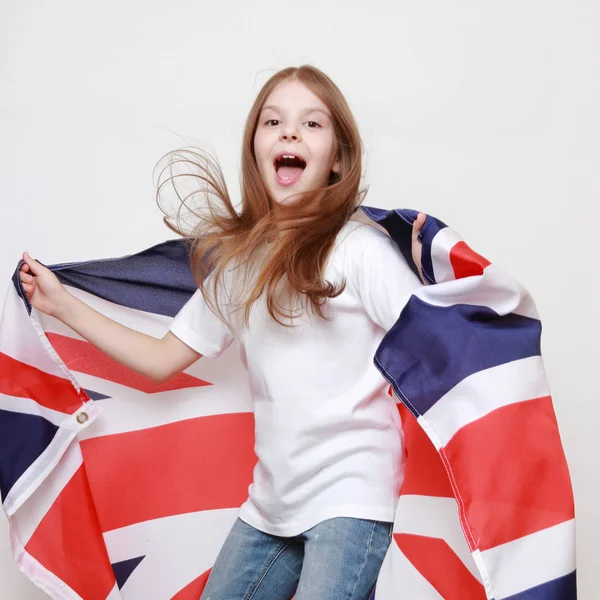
(285, 198)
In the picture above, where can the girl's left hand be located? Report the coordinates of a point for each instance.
(417, 246)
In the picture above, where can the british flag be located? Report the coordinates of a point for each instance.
(119, 488)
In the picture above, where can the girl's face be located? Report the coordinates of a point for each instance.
(294, 143)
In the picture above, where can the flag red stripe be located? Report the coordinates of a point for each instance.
(83, 357)
(440, 566)
(68, 542)
(511, 483)
(198, 464)
(425, 474)
(24, 381)
(465, 262)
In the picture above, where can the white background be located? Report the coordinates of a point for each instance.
(484, 114)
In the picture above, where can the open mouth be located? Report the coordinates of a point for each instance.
(288, 168)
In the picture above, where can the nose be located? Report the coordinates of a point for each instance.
(289, 133)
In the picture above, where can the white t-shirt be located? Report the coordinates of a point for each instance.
(328, 435)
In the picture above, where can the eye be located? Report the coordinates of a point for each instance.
(313, 124)
(272, 122)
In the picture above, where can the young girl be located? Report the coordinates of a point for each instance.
(309, 294)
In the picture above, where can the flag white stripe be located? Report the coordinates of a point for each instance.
(115, 594)
(485, 391)
(494, 289)
(193, 538)
(20, 338)
(131, 410)
(441, 245)
(531, 560)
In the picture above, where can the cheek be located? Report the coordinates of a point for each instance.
(256, 146)
(260, 149)
(328, 158)
(330, 149)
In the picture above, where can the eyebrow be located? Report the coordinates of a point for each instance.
(306, 111)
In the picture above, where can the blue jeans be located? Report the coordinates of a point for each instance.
(338, 559)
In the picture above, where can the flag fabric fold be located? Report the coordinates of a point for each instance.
(117, 487)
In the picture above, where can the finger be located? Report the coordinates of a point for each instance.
(26, 277)
(24, 267)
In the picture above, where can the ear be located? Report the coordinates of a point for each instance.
(336, 167)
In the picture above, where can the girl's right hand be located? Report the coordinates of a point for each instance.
(43, 289)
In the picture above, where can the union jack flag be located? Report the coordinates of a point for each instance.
(120, 488)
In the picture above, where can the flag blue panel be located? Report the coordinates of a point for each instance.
(562, 588)
(24, 437)
(157, 280)
(95, 395)
(432, 348)
(125, 568)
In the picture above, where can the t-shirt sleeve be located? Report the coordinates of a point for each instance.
(199, 327)
(381, 276)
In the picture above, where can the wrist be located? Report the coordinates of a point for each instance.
(63, 304)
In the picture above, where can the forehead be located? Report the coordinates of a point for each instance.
(293, 94)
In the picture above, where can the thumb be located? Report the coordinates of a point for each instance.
(34, 265)
(418, 224)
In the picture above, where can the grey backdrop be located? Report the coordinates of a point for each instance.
(482, 113)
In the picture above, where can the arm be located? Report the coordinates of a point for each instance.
(157, 359)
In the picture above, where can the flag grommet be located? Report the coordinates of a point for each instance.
(82, 417)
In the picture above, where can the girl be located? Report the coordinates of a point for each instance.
(309, 294)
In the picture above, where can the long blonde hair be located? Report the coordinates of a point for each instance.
(298, 236)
